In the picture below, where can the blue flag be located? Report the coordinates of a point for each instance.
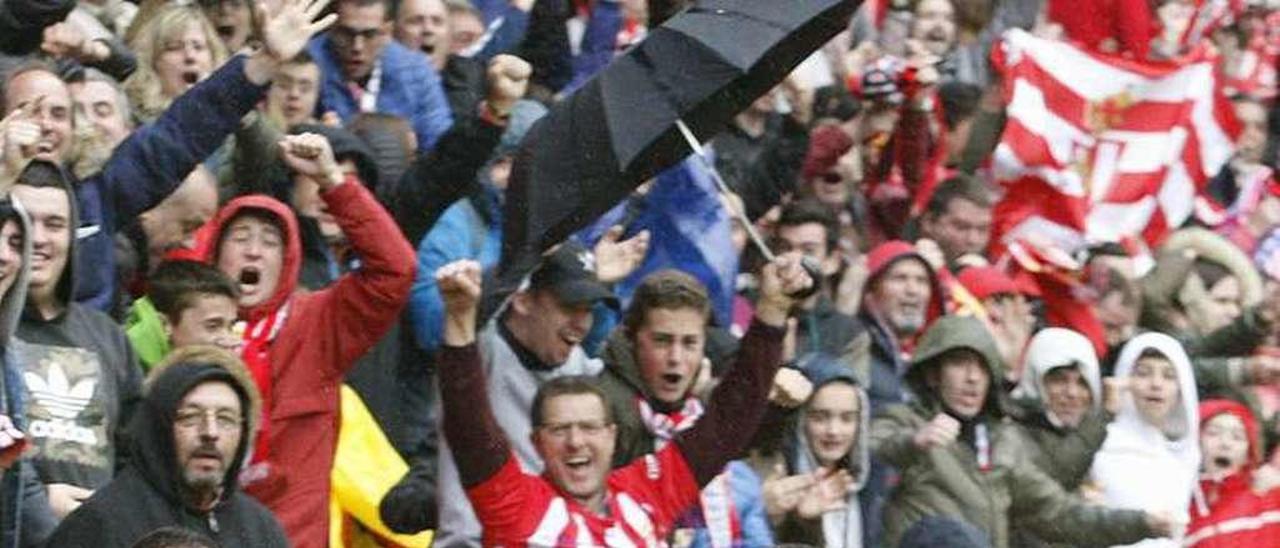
(689, 230)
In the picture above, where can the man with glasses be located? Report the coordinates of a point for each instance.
(579, 499)
(364, 70)
(190, 436)
(538, 338)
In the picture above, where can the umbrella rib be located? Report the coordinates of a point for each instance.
(740, 15)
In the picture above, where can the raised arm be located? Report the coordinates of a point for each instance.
(440, 177)
(738, 403)
(363, 304)
(478, 444)
(153, 161)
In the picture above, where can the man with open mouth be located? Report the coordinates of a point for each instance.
(299, 344)
(951, 444)
(191, 434)
(152, 163)
(579, 500)
(538, 338)
(364, 70)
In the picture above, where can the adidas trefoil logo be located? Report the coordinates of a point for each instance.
(56, 394)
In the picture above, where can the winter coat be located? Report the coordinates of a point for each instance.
(1142, 466)
(1064, 454)
(151, 487)
(1167, 285)
(949, 480)
(1228, 513)
(410, 88)
(889, 359)
(762, 168)
(469, 229)
(149, 165)
(145, 328)
(322, 336)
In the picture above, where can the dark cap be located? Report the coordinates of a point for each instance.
(570, 273)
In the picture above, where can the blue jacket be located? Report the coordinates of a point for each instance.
(461, 233)
(410, 89)
(748, 502)
(148, 166)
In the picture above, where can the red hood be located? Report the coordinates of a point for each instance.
(885, 255)
(1212, 408)
(211, 234)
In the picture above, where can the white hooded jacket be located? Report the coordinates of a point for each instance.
(1144, 467)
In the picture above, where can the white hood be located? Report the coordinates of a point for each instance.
(1055, 347)
(1144, 467)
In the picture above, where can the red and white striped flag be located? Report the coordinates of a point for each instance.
(1099, 148)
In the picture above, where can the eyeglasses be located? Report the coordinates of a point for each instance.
(560, 430)
(831, 178)
(345, 36)
(223, 420)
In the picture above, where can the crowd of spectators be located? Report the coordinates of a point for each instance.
(243, 250)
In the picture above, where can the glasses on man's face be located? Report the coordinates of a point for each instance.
(560, 430)
(345, 36)
(223, 420)
(831, 178)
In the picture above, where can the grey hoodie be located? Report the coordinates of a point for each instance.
(25, 516)
(842, 528)
(82, 377)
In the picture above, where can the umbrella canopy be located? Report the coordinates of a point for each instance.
(704, 66)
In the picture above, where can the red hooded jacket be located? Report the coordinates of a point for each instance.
(322, 335)
(1227, 513)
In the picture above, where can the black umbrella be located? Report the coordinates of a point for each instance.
(703, 66)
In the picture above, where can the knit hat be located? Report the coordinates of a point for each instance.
(826, 145)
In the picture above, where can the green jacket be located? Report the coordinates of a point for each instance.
(947, 480)
(1063, 455)
(622, 384)
(146, 333)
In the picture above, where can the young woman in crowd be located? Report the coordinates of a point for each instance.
(1151, 457)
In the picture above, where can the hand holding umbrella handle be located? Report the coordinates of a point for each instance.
(814, 271)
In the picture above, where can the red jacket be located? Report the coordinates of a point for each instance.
(323, 334)
(1228, 513)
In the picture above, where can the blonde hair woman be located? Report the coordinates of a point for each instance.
(176, 48)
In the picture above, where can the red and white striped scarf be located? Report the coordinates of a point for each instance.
(719, 514)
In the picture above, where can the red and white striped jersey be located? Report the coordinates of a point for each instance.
(644, 498)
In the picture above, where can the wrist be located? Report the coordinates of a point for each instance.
(333, 178)
(260, 67)
(459, 328)
(772, 312)
(496, 114)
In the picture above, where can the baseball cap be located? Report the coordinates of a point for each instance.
(570, 273)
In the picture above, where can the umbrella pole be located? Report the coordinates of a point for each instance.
(723, 188)
(810, 266)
